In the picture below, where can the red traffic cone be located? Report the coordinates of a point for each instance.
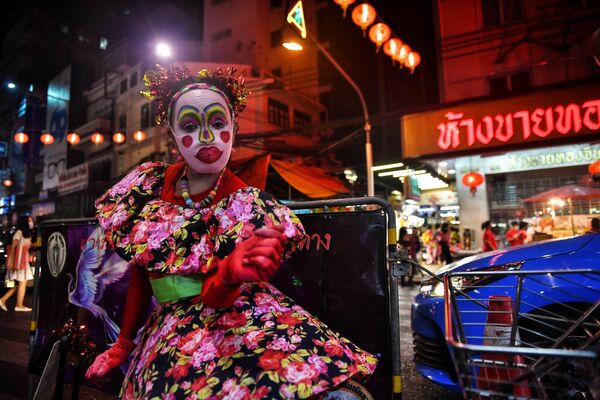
(504, 368)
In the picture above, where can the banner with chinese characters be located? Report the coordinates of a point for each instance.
(543, 118)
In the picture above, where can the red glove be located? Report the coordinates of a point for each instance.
(139, 293)
(255, 259)
(110, 359)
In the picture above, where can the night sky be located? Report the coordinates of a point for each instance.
(387, 89)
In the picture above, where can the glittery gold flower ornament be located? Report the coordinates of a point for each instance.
(164, 83)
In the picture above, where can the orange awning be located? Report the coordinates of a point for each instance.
(255, 173)
(312, 181)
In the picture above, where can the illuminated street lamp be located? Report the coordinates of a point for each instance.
(7, 183)
(293, 46)
(299, 22)
(163, 50)
(11, 85)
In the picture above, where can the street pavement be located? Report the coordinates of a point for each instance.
(14, 334)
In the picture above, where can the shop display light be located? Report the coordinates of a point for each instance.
(47, 138)
(97, 138)
(73, 138)
(472, 180)
(21, 137)
(379, 33)
(139, 136)
(344, 4)
(364, 15)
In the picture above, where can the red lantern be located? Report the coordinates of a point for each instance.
(403, 54)
(379, 33)
(97, 138)
(472, 180)
(594, 168)
(7, 183)
(363, 15)
(73, 138)
(392, 47)
(118, 138)
(413, 60)
(344, 4)
(21, 137)
(47, 138)
(139, 136)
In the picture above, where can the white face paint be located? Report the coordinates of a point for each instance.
(203, 129)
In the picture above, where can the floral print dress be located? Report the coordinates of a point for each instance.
(262, 346)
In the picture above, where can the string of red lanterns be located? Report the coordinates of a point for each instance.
(74, 138)
(364, 15)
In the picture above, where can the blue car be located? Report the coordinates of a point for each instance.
(431, 353)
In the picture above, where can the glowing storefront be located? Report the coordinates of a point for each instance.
(522, 145)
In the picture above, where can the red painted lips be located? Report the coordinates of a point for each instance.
(209, 155)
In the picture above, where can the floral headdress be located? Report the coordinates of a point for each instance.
(164, 84)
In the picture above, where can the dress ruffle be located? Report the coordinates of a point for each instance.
(175, 239)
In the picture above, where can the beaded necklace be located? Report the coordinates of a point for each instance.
(185, 191)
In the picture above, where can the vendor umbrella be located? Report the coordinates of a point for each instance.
(569, 193)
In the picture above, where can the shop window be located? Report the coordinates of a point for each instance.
(276, 38)
(498, 12)
(515, 83)
(145, 116)
(123, 86)
(123, 121)
(133, 79)
(279, 113)
(301, 119)
(520, 82)
(498, 86)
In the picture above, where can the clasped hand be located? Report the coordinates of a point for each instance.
(256, 259)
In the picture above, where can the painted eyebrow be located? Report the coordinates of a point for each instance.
(185, 108)
(213, 105)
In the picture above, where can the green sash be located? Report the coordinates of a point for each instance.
(176, 287)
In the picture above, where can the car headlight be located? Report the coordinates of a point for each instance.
(432, 288)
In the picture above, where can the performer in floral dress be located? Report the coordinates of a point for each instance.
(219, 330)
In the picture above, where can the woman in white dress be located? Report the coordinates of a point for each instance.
(17, 263)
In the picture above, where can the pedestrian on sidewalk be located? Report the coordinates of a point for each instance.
(489, 239)
(17, 263)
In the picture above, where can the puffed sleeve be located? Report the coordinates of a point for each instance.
(117, 210)
(249, 210)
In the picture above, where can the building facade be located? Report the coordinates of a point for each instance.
(519, 90)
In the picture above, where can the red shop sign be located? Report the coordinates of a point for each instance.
(542, 117)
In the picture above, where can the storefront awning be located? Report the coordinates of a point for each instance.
(312, 181)
(255, 172)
